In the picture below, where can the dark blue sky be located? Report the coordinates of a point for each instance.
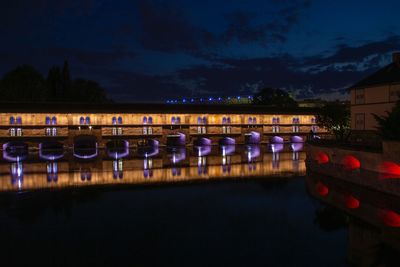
(154, 50)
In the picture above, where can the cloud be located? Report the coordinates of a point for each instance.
(345, 53)
(306, 77)
(240, 28)
(166, 27)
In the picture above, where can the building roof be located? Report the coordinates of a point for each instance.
(387, 75)
(147, 108)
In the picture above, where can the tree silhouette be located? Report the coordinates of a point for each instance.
(88, 91)
(54, 84)
(274, 97)
(335, 117)
(389, 126)
(26, 84)
(66, 79)
(22, 84)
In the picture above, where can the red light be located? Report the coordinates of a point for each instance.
(390, 218)
(390, 170)
(351, 163)
(322, 189)
(322, 158)
(352, 202)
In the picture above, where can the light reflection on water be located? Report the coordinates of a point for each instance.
(142, 166)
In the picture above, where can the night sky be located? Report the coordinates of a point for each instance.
(158, 50)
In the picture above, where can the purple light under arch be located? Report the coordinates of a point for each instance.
(253, 137)
(276, 140)
(297, 146)
(202, 150)
(79, 155)
(278, 147)
(227, 141)
(228, 150)
(296, 139)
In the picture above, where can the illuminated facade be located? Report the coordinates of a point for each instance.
(376, 94)
(138, 123)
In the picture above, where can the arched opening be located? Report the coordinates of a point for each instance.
(176, 154)
(275, 147)
(252, 151)
(85, 146)
(15, 151)
(227, 150)
(296, 139)
(276, 140)
(227, 141)
(117, 149)
(177, 139)
(296, 147)
(203, 150)
(252, 137)
(51, 150)
(202, 141)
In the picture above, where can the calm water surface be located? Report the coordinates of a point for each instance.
(175, 208)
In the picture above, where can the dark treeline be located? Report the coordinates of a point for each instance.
(274, 97)
(26, 84)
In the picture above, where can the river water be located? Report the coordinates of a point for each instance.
(241, 206)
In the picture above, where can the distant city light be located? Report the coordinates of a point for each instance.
(211, 99)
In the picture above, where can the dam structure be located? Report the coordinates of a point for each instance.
(87, 126)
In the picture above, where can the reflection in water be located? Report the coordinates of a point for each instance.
(176, 154)
(227, 150)
(52, 171)
(173, 164)
(118, 169)
(86, 174)
(203, 150)
(297, 146)
(372, 219)
(275, 160)
(17, 174)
